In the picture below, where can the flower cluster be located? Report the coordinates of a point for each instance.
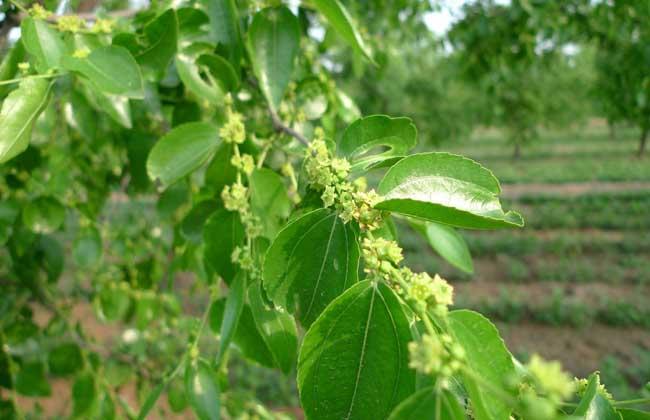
(70, 23)
(233, 131)
(244, 163)
(545, 387)
(436, 354)
(550, 378)
(103, 26)
(39, 12)
(382, 258)
(329, 175)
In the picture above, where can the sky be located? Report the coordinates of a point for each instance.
(439, 22)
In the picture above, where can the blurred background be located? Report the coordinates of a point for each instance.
(554, 97)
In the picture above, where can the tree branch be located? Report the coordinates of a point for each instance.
(91, 16)
(280, 127)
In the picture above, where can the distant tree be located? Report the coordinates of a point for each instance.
(622, 34)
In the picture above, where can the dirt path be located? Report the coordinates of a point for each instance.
(512, 191)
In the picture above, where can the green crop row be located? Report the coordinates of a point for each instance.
(561, 310)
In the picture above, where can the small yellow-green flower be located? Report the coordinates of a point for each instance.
(39, 12)
(233, 131)
(81, 53)
(70, 23)
(550, 377)
(103, 26)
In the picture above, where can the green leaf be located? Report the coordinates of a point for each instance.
(311, 262)
(594, 405)
(181, 151)
(488, 357)
(426, 404)
(447, 242)
(153, 396)
(224, 27)
(353, 362)
(192, 224)
(630, 414)
(112, 70)
(221, 70)
(44, 214)
(338, 16)
(220, 171)
(273, 41)
(445, 188)
(269, 200)
(364, 140)
(118, 108)
(65, 359)
(278, 330)
(190, 75)
(83, 394)
(106, 409)
(247, 337)
(43, 42)
(162, 36)
(30, 380)
(52, 256)
(19, 113)
(176, 396)
(232, 312)
(114, 303)
(87, 248)
(221, 234)
(202, 389)
(9, 65)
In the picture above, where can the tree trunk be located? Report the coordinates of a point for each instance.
(517, 152)
(642, 141)
(612, 130)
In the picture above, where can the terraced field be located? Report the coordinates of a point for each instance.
(575, 282)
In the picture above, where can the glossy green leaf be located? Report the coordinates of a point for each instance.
(118, 108)
(353, 362)
(220, 171)
(365, 141)
(426, 404)
(221, 70)
(232, 313)
(9, 64)
(100, 69)
(51, 256)
(631, 414)
(445, 188)
(189, 73)
(247, 337)
(106, 408)
(148, 404)
(594, 405)
(338, 16)
(447, 242)
(269, 200)
(43, 42)
(44, 214)
(19, 113)
(83, 394)
(202, 389)
(65, 359)
(114, 303)
(273, 41)
(224, 28)
(162, 36)
(311, 262)
(30, 380)
(181, 151)
(488, 357)
(222, 233)
(278, 330)
(87, 248)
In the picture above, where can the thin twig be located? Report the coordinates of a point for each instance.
(282, 128)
